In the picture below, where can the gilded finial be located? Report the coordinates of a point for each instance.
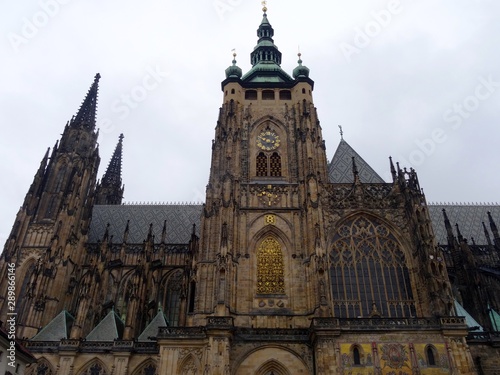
(341, 133)
(264, 6)
(234, 55)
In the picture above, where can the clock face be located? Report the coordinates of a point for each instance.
(268, 140)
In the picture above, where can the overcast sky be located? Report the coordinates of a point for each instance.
(415, 80)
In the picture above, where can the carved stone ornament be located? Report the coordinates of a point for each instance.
(269, 195)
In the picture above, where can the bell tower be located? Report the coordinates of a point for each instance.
(52, 224)
(260, 225)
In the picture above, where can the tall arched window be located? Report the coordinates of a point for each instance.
(270, 269)
(23, 302)
(369, 272)
(261, 165)
(170, 297)
(431, 354)
(58, 183)
(275, 165)
(124, 295)
(356, 357)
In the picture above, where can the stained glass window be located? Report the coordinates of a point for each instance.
(171, 297)
(369, 274)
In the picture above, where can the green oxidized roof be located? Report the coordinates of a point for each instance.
(266, 58)
(266, 72)
(301, 70)
(57, 329)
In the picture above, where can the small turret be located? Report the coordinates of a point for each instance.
(301, 70)
(234, 71)
(110, 189)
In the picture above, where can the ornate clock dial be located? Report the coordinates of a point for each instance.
(268, 140)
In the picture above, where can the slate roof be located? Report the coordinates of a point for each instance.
(152, 329)
(57, 329)
(469, 218)
(109, 329)
(180, 219)
(340, 168)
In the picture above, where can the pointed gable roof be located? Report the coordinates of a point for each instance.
(340, 168)
(109, 329)
(495, 319)
(57, 329)
(152, 329)
(469, 320)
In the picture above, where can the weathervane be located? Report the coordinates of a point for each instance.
(341, 133)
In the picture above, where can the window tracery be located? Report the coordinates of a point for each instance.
(270, 269)
(170, 295)
(268, 166)
(261, 165)
(369, 269)
(95, 369)
(275, 165)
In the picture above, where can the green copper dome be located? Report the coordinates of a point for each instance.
(301, 70)
(234, 71)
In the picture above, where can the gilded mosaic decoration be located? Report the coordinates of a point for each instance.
(270, 272)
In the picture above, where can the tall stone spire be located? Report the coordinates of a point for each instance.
(110, 189)
(87, 112)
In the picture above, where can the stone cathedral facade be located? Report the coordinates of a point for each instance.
(293, 265)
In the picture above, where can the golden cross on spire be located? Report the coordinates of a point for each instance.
(264, 6)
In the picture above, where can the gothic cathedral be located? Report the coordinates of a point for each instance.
(294, 265)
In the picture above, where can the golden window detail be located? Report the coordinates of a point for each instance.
(369, 272)
(275, 165)
(261, 165)
(270, 269)
(270, 219)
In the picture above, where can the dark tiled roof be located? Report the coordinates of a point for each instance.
(469, 218)
(180, 220)
(340, 168)
(57, 329)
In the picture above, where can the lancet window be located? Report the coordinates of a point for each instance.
(369, 274)
(170, 296)
(268, 166)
